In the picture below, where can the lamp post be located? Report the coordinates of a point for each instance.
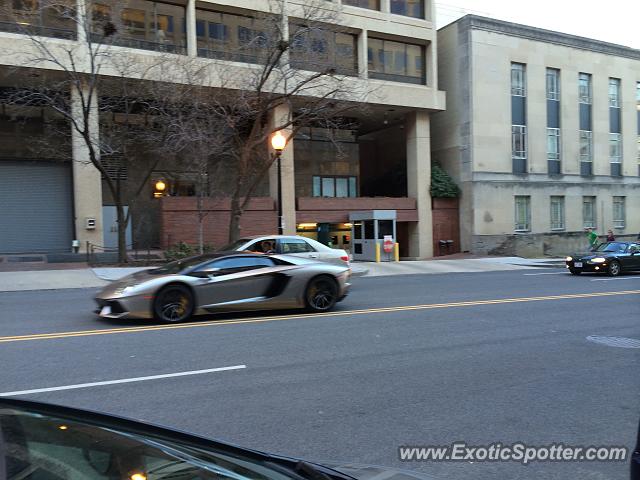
(278, 142)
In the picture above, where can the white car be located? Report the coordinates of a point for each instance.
(290, 245)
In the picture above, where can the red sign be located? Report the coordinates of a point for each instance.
(387, 244)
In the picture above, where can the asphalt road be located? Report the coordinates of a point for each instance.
(401, 362)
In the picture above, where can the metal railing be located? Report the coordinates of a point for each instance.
(39, 30)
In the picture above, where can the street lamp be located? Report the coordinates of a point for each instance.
(278, 142)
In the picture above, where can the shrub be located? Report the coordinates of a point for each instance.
(442, 185)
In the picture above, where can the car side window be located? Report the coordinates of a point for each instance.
(295, 245)
(242, 262)
(263, 246)
(634, 248)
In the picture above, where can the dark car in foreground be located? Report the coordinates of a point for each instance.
(49, 442)
(612, 258)
(224, 282)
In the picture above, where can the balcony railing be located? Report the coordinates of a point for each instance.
(237, 56)
(38, 30)
(390, 77)
(141, 44)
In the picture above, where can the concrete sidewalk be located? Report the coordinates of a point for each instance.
(98, 277)
(466, 265)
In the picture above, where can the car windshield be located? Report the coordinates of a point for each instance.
(178, 266)
(230, 247)
(611, 247)
(56, 448)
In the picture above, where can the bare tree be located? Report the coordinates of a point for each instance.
(85, 77)
(294, 64)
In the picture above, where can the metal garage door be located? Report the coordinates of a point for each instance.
(36, 214)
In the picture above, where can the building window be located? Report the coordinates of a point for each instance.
(586, 156)
(409, 8)
(518, 80)
(553, 150)
(523, 214)
(519, 147)
(318, 49)
(553, 84)
(226, 36)
(334, 187)
(589, 212)
(557, 213)
(615, 154)
(619, 213)
(638, 122)
(584, 88)
(614, 92)
(370, 4)
(396, 61)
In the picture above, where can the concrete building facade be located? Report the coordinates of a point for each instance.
(387, 47)
(541, 132)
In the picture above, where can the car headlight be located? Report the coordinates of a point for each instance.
(568, 259)
(599, 260)
(123, 290)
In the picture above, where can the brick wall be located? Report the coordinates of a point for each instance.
(446, 224)
(336, 210)
(179, 220)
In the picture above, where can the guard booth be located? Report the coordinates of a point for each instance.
(368, 229)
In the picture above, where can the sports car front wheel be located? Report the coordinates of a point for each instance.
(174, 303)
(321, 294)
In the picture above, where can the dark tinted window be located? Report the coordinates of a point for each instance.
(295, 245)
(179, 265)
(242, 262)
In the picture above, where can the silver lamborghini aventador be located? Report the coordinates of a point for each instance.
(225, 282)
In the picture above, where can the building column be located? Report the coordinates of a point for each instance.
(87, 181)
(362, 52)
(385, 6)
(279, 116)
(192, 39)
(417, 126)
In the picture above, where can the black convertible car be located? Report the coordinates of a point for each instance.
(609, 257)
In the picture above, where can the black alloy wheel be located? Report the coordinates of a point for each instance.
(321, 294)
(173, 304)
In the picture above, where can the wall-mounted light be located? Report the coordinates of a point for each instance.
(159, 189)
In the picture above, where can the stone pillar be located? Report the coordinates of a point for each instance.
(385, 6)
(192, 39)
(417, 126)
(87, 181)
(280, 116)
(363, 59)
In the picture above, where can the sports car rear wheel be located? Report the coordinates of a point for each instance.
(574, 271)
(173, 303)
(321, 294)
(614, 268)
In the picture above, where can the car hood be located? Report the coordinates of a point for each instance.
(370, 472)
(589, 255)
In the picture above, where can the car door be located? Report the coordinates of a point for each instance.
(234, 279)
(298, 247)
(634, 256)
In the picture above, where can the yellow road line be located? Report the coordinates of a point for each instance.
(215, 323)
